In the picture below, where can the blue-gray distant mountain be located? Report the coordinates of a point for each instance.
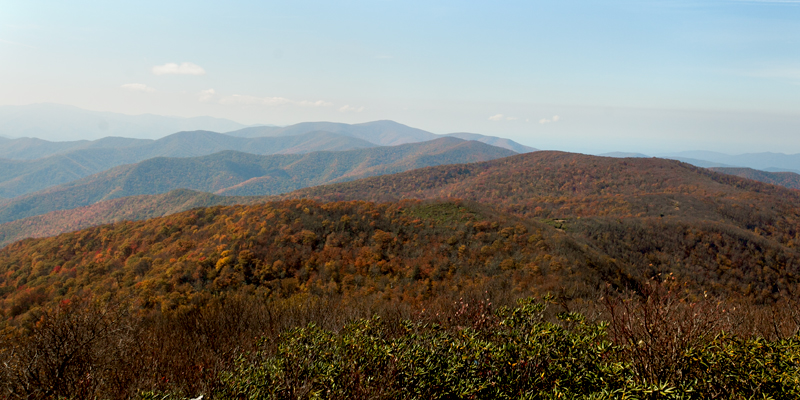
(19, 177)
(701, 163)
(764, 161)
(494, 141)
(236, 173)
(57, 122)
(790, 180)
(33, 148)
(621, 154)
(384, 133)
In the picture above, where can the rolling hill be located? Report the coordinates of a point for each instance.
(656, 216)
(235, 173)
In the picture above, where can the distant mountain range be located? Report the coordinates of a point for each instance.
(58, 122)
(384, 133)
(31, 164)
(61, 123)
(236, 173)
(19, 177)
(764, 161)
(786, 179)
(771, 162)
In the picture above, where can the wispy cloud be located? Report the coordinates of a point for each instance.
(206, 95)
(501, 117)
(348, 108)
(237, 99)
(137, 87)
(555, 118)
(179, 69)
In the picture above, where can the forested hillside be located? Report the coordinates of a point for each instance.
(615, 221)
(655, 215)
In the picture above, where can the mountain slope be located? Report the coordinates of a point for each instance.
(222, 172)
(655, 215)
(395, 252)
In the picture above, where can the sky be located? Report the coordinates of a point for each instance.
(585, 76)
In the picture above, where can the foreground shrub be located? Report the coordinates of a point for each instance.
(519, 355)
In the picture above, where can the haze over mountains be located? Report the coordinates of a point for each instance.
(54, 122)
(790, 180)
(771, 162)
(30, 164)
(58, 122)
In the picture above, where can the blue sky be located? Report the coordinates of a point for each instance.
(587, 76)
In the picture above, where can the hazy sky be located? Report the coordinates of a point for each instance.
(588, 76)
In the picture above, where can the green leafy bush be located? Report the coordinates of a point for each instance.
(517, 354)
